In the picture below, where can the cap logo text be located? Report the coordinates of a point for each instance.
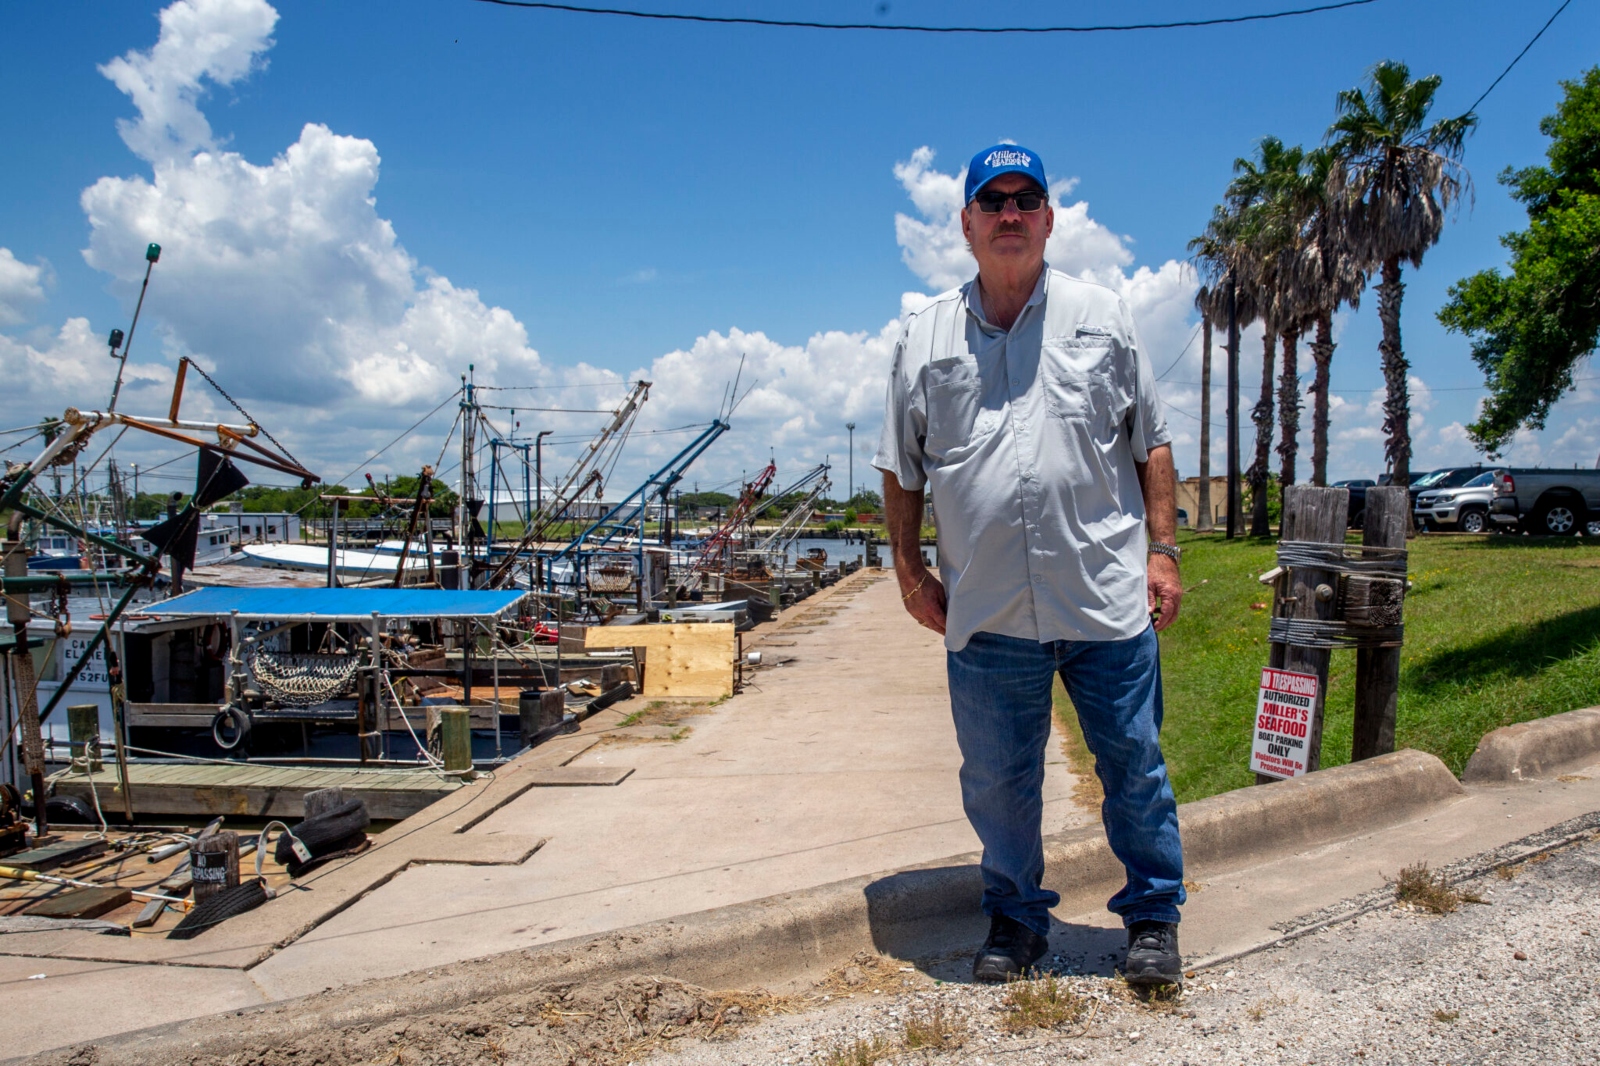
(1007, 158)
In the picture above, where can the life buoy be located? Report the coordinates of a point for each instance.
(211, 643)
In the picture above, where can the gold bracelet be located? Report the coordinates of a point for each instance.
(916, 590)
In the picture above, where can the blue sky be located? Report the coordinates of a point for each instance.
(640, 197)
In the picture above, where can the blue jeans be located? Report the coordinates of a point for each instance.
(1000, 699)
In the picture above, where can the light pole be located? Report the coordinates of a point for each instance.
(851, 426)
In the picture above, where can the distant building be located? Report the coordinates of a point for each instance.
(255, 527)
(1189, 502)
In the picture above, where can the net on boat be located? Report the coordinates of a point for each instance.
(302, 679)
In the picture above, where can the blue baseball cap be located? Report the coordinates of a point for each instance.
(1003, 159)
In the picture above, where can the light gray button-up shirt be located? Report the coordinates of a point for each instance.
(1027, 440)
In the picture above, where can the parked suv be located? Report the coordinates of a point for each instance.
(1465, 508)
(1547, 502)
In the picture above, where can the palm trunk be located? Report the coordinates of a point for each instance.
(1203, 519)
(1396, 403)
(1322, 356)
(1289, 406)
(1258, 475)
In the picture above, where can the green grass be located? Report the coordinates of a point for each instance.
(1498, 630)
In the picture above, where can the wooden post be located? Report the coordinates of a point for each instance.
(119, 722)
(1378, 669)
(322, 800)
(455, 732)
(83, 736)
(214, 863)
(1309, 514)
(370, 718)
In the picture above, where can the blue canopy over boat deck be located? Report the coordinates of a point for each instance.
(332, 605)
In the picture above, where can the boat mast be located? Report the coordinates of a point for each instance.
(470, 503)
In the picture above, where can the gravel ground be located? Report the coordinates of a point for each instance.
(1514, 977)
(1510, 979)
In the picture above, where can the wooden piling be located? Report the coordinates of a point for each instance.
(214, 863)
(455, 732)
(1319, 515)
(1378, 669)
(83, 736)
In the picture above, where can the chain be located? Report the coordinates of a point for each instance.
(248, 416)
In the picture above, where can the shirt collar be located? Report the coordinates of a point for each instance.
(974, 299)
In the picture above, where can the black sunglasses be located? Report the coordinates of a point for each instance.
(1027, 201)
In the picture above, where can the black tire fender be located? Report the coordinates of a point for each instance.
(236, 719)
(69, 809)
(615, 695)
(220, 907)
(323, 833)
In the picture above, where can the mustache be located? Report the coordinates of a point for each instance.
(1020, 229)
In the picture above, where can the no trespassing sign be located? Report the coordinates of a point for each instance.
(1283, 723)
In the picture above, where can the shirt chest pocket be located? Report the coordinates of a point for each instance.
(1086, 397)
(952, 409)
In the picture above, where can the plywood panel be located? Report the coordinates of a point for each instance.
(687, 660)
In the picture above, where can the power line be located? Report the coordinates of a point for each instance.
(1181, 354)
(731, 20)
(1520, 54)
(537, 388)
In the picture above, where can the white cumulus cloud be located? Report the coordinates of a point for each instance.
(21, 284)
(217, 40)
(282, 276)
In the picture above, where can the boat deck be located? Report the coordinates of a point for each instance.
(255, 791)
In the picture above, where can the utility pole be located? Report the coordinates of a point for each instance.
(538, 470)
(851, 426)
(1233, 409)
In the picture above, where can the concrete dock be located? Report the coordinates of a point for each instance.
(837, 760)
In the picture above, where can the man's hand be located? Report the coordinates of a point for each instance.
(923, 595)
(1164, 587)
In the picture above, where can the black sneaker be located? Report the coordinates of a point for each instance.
(1153, 957)
(1011, 948)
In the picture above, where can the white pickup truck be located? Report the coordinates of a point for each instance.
(1547, 502)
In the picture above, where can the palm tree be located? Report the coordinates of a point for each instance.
(1398, 177)
(1221, 256)
(1262, 194)
(1328, 273)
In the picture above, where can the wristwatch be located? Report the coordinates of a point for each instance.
(1171, 551)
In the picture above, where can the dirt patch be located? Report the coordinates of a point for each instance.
(560, 1025)
(659, 721)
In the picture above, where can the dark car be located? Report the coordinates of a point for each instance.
(1358, 487)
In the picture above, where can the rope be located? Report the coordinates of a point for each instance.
(1332, 633)
(1315, 555)
(302, 680)
(422, 749)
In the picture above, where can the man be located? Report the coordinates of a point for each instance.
(1024, 402)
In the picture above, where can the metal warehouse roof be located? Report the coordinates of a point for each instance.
(332, 605)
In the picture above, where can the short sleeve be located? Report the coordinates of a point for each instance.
(1147, 422)
(904, 427)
